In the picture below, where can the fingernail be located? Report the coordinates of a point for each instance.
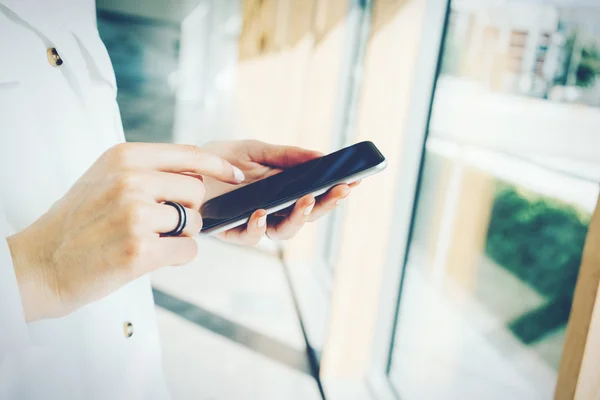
(238, 174)
(309, 209)
(340, 201)
(262, 221)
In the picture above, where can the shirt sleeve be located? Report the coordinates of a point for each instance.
(26, 371)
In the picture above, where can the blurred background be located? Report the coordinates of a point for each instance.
(449, 276)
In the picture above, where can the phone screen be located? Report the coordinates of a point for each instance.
(290, 184)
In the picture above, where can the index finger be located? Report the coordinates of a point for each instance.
(179, 158)
(280, 156)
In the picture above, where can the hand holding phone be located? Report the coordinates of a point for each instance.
(280, 191)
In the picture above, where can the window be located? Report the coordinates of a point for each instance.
(144, 53)
(358, 29)
(508, 184)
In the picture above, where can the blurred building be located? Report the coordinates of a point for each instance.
(534, 48)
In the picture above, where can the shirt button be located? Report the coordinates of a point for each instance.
(128, 329)
(53, 57)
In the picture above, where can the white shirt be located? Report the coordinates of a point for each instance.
(54, 123)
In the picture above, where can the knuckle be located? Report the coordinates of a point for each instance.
(192, 149)
(211, 161)
(225, 165)
(253, 142)
(125, 182)
(134, 215)
(132, 250)
(120, 154)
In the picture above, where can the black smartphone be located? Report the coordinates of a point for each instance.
(280, 191)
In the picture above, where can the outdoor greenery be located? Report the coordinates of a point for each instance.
(589, 67)
(540, 240)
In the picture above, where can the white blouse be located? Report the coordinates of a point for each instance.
(54, 122)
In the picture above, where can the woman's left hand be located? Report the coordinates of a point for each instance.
(259, 160)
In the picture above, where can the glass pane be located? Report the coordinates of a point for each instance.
(523, 78)
(507, 192)
(144, 54)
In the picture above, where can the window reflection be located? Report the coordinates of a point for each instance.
(508, 188)
(523, 78)
(144, 53)
(490, 278)
(543, 51)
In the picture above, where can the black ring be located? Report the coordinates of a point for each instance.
(182, 219)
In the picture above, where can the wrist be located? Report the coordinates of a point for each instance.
(32, 277)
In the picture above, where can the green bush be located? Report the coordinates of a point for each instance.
(589, 66)
(538, 239)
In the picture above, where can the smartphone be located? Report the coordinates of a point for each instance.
(282, 190)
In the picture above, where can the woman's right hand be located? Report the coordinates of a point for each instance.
(105, 231)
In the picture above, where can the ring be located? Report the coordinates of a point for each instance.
(182, 218)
